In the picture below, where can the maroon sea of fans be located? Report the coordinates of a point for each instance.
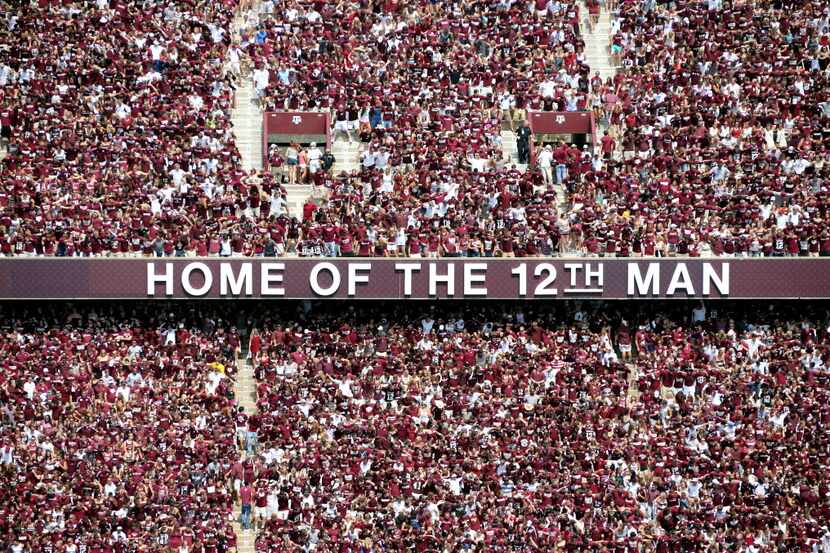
(117, 121)
(586, 429)
(116, 431)
(576, 427)
(722, 115)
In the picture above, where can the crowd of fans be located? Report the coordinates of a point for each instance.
(116, 430)
(524, 427)
(539, 428)
(118, 124)
(116, 116)
(720, 130)
(117, 119)
(427, 87)
(743, 175)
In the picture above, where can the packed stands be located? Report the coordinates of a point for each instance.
(117, 116)
(720, 132)
(116, 430)
(535, 428)
(115, 149)
(715, 134)
(426, 87)
(529, 427)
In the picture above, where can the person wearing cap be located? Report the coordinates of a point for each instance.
(545, 162)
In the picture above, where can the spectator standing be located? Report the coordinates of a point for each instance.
(246, 494)
(254, 345)
(523, 136)
(608, 145)
(314, 158)
(545, 161)
(292, 160)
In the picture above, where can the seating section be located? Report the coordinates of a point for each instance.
(427, 88)
(118, 121)
(122, 145)
(723, 127)
(498, 428)
(116, 432)
(548, 431)
(714, 140)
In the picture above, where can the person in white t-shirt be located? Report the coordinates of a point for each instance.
(261, 77)
(314, 157)
(545, 161)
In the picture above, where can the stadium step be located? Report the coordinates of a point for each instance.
(296, 195)
(510, 149)
(246, 118)
(245, 539)
(245, 386)
(247, 125)
(346, 155)
(597, 43)
(245, 391)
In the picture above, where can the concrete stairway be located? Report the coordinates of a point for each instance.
(510, 150)
(597, 44)
(562, 203)
(346, 155)
(296, 194)
(347, 158)
(247, 125)
(245, 387)
(246, 118)
(245, 541)
(245, 391)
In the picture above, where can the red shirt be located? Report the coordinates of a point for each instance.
(245, 494)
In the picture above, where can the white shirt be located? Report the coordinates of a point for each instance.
(6, 454)
(454, 485)
(122, 111)
(314, 155)
(261, 78)
(156, 50)
(345, 388)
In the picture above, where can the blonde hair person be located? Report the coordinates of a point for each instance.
(292, 160)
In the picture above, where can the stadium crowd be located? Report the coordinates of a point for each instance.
(116, 430)
(120, 142)
(720, 128)
(427, 87)
(576, 426)
(117, 120)
(536, 428)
